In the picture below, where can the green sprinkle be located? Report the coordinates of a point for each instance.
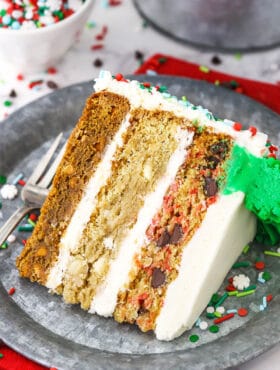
(32, 223)
(210, 315)
(204, 69)
(4, 245)
(246, 249)
(0, 204)
(266, 276)
(215, 298)
(270, 253)
(162, 60)
(162, 89)
(184, 98)
(251, 287)
(217, 314)
(7, 103)
(241, 264)
(193, 338)
(90, 24)
(233, 292)
(247, 292)
(214, 329)
(3, 12)
(238, 56)
(3, 179)
(27, 227)
(222, 299)
(1, 355)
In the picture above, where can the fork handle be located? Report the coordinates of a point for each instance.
(12, 222)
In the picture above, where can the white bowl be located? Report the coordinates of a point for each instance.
(29, 51)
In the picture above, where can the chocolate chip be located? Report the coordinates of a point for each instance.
(97, 63)
(138, 55)
(163, 239)
(212, 162)
(52, 85)
(220, 148)
(210, 186)
(158, 278)
(216, 60)
(177, 234)
(12, 94)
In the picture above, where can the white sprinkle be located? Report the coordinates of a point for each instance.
(241, 281)
(232, 311)
(9, 191)
(220, 309)
(210, 309)
(11, 238)
(203, 325)
(278, 250)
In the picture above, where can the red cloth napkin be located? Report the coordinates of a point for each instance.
(265, 93)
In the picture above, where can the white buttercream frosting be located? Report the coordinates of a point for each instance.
(81, 216)
(105, 299)
(205, 261)
(255, 144)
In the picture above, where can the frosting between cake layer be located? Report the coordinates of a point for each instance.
(206, 260)
(105, 299)
(138, 97)
(85, 208)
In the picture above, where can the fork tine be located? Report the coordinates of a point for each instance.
(44, 162)
(47, 178)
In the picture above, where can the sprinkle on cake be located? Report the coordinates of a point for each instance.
(151, 195)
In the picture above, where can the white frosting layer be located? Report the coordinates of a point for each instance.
(225, 230)
(105, 299)
(155, 100)
(81, 216)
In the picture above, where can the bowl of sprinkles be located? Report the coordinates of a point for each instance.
(35, 34)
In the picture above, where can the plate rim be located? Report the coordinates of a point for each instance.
(153, 360)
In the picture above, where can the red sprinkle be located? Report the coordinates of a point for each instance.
(273, 148)
(35, 83)
(53, 368)
(21, 182)
(230, 280)
(271, 155)
(237, 126)
(11, 291)
(23, 241)
(97, 46)
(51, 70)
(269, 297)
(20, 77)
(253, 130)
(239, 90)
(242, 312)
(224, 318)
(260, 265)
(114, 2)
(230, 288)
(146, 84)
(33, 217)
(119, 77)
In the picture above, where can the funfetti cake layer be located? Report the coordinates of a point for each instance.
(142, 208)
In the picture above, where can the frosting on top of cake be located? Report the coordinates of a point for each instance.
(139, 95)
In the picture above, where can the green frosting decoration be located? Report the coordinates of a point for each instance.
(259, 179)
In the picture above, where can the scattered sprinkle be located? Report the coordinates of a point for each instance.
(1, 355)
(246, 249)
(238, 56)
(210, 309)
(52, 85)
(220, 309)
(224, 318)
(3, 179)
(11, 238)
(193, 338)
(214, 329)
(9, 191)
(204, 69)
(241, 264)
(253, 130)
(97, 63)
(203, 325)
(237, 126)
(270, 253)
(259, 265)
(241, 281)
(243, 294)
(242, 312)
(11, 291)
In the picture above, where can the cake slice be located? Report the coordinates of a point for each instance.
(148, 200)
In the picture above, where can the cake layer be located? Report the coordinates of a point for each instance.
(205, 261)
(82, 155)
(134, 170)
(184, 206)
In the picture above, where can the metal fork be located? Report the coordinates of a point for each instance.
(35, 190)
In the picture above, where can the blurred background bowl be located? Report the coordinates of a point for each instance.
(30, 51)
